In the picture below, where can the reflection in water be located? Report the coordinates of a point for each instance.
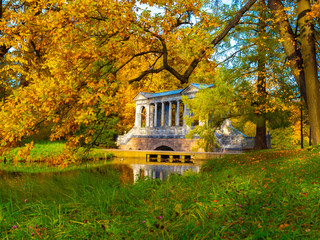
(134, 168)
(160, 171)
(129, 169)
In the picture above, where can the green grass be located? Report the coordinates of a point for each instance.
(42, 150)
(258, 195)
(42, 156)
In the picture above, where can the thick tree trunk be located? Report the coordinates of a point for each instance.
(301, 127)
(308, 50)
(261, 135)
(289, 43)
(3, 48)
(261, 130)
(3, 51)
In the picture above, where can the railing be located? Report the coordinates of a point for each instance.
(248, 142)
(230, 142)
(124, 139)
(152, 132)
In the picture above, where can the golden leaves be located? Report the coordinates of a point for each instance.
(65, 53)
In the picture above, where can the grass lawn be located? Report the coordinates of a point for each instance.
(259, 195)
(45, 152)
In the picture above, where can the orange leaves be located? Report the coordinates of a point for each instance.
(24, 152)
(283, 226)
(315, 10)
(66, 52)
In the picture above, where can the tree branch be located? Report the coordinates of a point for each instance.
(186, 75)
(220, 37)
(133, 57)
(145, 73)
(235, 53)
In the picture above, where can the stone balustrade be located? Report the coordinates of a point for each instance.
(153, 132)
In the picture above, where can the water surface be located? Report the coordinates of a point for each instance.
(139, 168)
(129, 169)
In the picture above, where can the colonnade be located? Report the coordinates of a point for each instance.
(160, 114)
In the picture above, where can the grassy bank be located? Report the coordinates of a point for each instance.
(43, 158)
(261, 195)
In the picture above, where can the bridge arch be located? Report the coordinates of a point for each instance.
(163, 146)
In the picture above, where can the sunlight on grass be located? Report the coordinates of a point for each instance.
(259, 195)
(42, 158)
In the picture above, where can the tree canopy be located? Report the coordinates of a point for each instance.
(65, 64)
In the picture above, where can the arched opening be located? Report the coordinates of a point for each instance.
(166, 114)
(143, 117)
(164, 148)
(173, 114)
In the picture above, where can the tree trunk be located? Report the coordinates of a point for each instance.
(289, 43)
(301, 127)
(3, 48)
(310, 68)
(261, 135)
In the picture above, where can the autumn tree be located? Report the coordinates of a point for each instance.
(69, 70)
(301, 53)
(71, 58)
(74, 60)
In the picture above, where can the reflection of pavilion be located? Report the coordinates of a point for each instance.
(160, 171)
(160, 124)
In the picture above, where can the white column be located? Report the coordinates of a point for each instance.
(170, 114)
(148, 115)
(162, 114)
(155, 122)
(178, 113)
(152, 116)
(137, 116)
(184, 113)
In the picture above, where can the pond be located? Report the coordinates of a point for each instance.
(129, 170)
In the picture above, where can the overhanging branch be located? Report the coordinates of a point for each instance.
(145, 73)
(186, 75)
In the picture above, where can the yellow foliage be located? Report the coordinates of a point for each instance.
(73, 60)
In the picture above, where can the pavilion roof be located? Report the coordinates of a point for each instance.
(174, 92)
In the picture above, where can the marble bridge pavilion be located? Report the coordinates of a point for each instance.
(160, 124)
